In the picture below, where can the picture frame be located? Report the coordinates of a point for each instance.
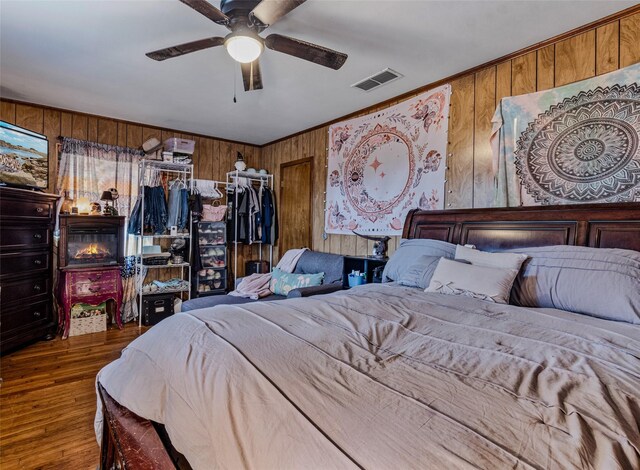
(24, 157)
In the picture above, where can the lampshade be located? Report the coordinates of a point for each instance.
(244, 48)
(106, 196)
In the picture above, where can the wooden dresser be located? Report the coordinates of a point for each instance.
(26, 266)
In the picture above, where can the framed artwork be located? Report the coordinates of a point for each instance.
(24, 156)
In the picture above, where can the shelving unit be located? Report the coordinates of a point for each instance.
(148, 170)
(232, 182)
(214, 258)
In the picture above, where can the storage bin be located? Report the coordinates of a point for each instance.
(176, 145)
(156, 308)
(212, 233)
(212, 281)
(213, 257)
(357, 280)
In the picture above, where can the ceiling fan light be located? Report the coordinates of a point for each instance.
(243, 49)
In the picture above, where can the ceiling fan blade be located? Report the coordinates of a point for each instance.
(205, 8)
(305, 50)
(182, 49)
(251, 75)
(270, 11)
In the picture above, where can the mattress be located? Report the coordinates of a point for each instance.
(384, 376)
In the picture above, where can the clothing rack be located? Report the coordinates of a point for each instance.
(147, 171)
(233, 178)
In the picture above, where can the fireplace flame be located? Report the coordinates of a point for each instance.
(93, 250)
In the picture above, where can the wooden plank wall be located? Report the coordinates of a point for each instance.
(599, 50)
(212, 157)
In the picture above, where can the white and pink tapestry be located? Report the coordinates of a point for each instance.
(384, 164)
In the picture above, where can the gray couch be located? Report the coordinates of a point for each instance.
(311, 262)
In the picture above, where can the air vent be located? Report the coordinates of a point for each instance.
(380, 78)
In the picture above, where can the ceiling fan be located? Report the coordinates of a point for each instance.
(247, 19)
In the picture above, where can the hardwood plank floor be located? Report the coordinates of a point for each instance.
(48, 400)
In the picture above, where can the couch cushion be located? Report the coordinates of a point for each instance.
(282, 282)
(313, 262)
(213, 300)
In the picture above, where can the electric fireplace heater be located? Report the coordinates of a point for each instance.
(89, 241)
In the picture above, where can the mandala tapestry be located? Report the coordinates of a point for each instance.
(384, 164)
(579, 143)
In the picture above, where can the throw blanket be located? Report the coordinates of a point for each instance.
(256, 285)
(387, 377)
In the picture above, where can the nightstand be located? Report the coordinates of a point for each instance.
(364, 264)
(91, 286)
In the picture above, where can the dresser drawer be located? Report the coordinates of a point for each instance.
(25, 290)
(13, 236)
(34, 210)
(20, 316)
(21, 263)
(95, 276)
(90, 283)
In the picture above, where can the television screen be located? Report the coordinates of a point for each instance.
(24, 156)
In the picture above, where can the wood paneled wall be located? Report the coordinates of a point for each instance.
(600, 49)
(213, 158)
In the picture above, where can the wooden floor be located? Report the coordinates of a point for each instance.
(48, 400)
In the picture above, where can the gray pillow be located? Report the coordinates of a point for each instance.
(419, 274)
(602, 282)
(410, 250)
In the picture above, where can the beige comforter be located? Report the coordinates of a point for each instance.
(386, 377)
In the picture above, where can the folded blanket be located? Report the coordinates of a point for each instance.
(253, 287)
(290, 259)
(256, 285)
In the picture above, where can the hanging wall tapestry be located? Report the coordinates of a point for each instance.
(579, 143)
(384, 164)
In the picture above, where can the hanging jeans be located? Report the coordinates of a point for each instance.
(183, 217)
(175, 196)
(155, 210)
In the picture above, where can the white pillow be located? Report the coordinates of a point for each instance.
(479, 282)
(493, 260)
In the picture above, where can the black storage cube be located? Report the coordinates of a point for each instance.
(156, 307)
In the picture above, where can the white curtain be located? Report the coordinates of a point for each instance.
(86, 169)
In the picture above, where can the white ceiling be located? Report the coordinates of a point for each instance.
(88, 55)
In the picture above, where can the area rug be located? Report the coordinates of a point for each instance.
(579, 143)
(384, 164)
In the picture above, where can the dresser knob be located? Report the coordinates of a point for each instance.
(94, 289)
(39, 210)
(37, 287)
(37, 262)
(37, 314)
(37, 236)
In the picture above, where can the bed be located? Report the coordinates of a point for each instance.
(387, 376)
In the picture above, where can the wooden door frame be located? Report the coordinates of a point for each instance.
(294, 163)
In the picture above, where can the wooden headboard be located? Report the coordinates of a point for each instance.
(594, 225)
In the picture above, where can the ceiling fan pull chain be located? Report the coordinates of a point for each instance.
(235, 73)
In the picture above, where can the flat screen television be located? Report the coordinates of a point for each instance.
(24, 157)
